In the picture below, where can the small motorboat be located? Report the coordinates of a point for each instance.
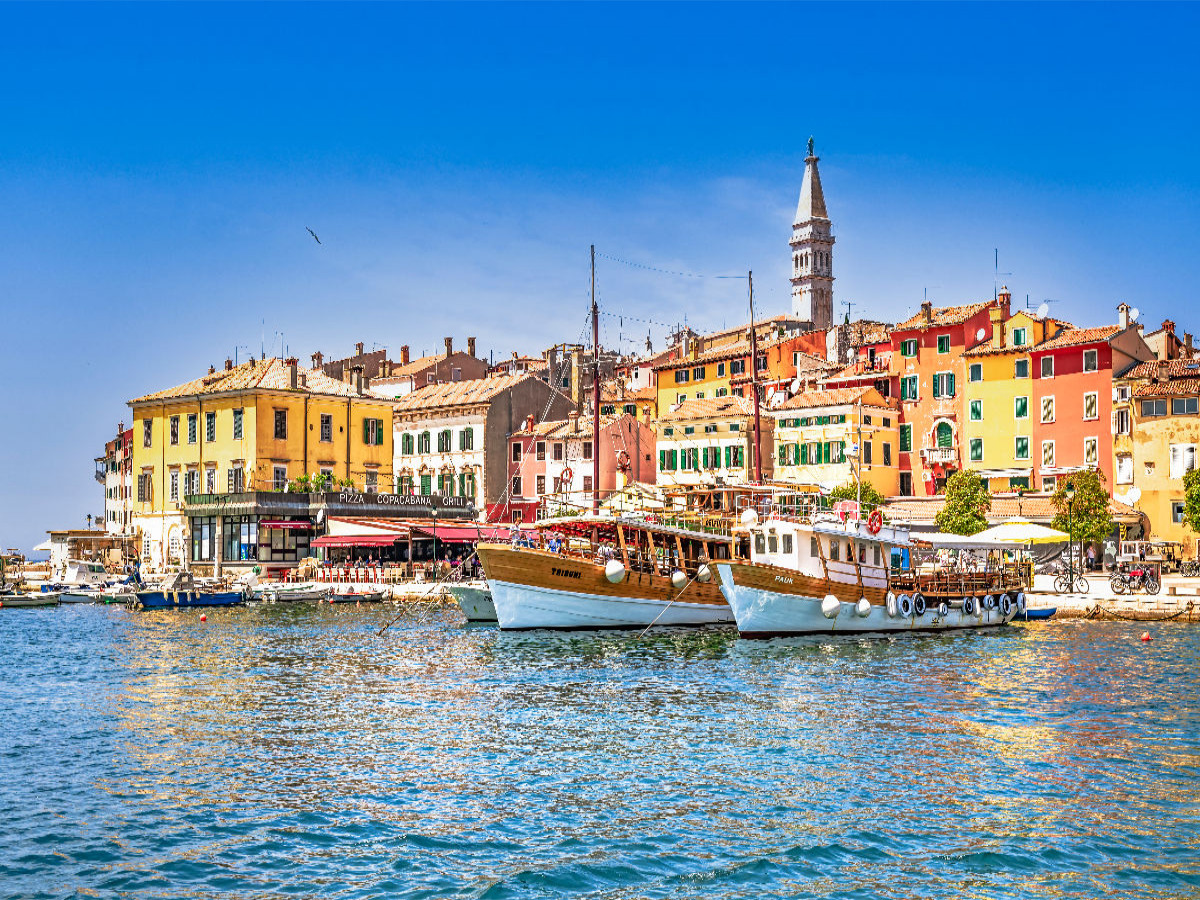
(1036, 615)
(40, 598)
(179, 592)
(474, 600)
(352, 596)
(283, 592)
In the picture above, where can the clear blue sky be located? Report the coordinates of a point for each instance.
(159, 164)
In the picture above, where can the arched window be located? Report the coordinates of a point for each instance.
(945, 435)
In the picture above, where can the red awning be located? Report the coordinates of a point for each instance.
(464, 534)
(275, 523)
(356, 540)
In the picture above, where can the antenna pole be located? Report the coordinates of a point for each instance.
(595, 392)
(754, 383)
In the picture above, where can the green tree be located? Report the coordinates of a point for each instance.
(1191, 500)
(967, 504)
(1088, 518)
(871, 498)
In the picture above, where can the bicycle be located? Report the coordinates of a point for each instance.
(1071, 584)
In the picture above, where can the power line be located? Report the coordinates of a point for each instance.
(634, 265)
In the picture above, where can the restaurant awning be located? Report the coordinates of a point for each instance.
(356, 540)
(463, 534)
(285, 523)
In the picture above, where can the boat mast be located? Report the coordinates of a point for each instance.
(754, 383)
(595, 392)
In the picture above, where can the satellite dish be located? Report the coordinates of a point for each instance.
(796, 385)
(1135, 494)
(980, 334)
(1043, 310)
(1134, 313)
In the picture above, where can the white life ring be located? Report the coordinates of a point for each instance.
(904, 604)
(968, 606)
(891, 605)
(919, 603)
(943, 609)
(1006, 605)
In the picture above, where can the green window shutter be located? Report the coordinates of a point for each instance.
(366, 431)
(937, 386)
(950, 385)
(674, 459)
(662, 460)
(728, 456)
(804, 454)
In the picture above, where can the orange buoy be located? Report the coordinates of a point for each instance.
(203, 618)
(1146, 636)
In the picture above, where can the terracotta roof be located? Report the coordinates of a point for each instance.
(943, 316)
(831, 397)
(270, 375)
(1175, 368)
(1037, 507)
(1176, 387)
(709, 408)
(1074, 337)
(460, 393)
(420, 364)
(561, 428)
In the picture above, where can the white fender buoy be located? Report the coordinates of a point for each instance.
(749, 517)
(704, 574)
(679, 580)
(919, 603)
(943, 609)
(863, 608)
(1006, 605)
(891, 604)
(614, 571)
(830, 606)
(989, 602)
(968, 606)
(1021, 603)
(904, 605)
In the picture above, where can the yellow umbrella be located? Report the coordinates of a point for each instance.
(1022, 531)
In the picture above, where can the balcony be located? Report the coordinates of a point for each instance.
(101, 470)
(940, 456)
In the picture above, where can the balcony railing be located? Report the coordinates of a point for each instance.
(940, 455)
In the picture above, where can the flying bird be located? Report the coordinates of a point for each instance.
(313, 233)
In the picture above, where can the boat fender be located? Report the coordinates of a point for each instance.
(989, 602)
(830, 606)
(679, 579)
(614, 571)
(1006, 605)
(889, 603)
(968, 606)
(919, 603)
(904, 605)
(704, 574)
(943, 609)
(1021, 602)
(863, 608)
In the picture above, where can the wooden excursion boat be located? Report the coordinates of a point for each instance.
(825, 575)
(606, 572)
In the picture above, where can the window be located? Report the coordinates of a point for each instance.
(193, 422)
(906, 484)
(1018, 483)
(174, 430)
(1152, 408)
(720, 370)
(281, 424)
(835, 549)
(406, 444)
(679, 398)
(516, 451)
(699, 395)
(975, 372)
(1177, 507)
(1183, 406)
(144, 482)
(788, 543)
(539, 485)
(279, 477)
(710, 429)
(587, 449)
(1091, 451)
(908, 387)
(587, 482)
(558, 452)
(630, 409)
(1047, 366)
(867, 453)
(373, 432)
(327, 431)
(371, 482)
(1091, 360)
(516, 486)
(1183, 459)
(1047, 409)
(426, 484)
(1121, 393)
(905, 438)
(698, 373)
(943, 343)
(762, 361)
(445, 439)
(735, 456)
(737, 367)
(1124, 473)
(735, 426)
(608, 409)
(1021, 449)
(237, 424)
(540, 450)
(689, 429)
(191, 482)
(1021, 368)
(210, 480)
(466, 485)
(976, 410)
(1021, 407)
(681, 376)
(887, 454)
(1049, 484)
(943, 384)
(1091, 405)
(1019, 337)
(424, 440)
(1047, 453)
(174, 482)
(210, 426)
(1121, 418)
(147, 432)
(976, 449)
(235, 479)
(908, 348)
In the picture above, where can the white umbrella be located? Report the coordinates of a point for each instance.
(1022, 531)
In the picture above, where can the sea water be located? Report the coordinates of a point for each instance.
(294, 752)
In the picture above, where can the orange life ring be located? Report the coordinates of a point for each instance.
(875, 521)
(567, 474)
(623, 460)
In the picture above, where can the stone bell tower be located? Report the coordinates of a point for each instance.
(812, 251)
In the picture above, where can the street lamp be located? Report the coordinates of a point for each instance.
(1070, 494)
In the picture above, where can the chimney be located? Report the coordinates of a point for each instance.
(292, 372)
(927, 312)
(529, 422)
(212, 370)
(404, 355)
(997, 316)
(228, 364)
(358, 349)
(347, 373)
(449, 345)
(1005, 300)
(357, 379)
(1187, 345)
(573, 422)
(317, 359)
(470, 346)
(1123, 315)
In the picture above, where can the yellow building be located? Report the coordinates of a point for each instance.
(1156, 425)
(234, 433)
(998, 399)
(826, 438)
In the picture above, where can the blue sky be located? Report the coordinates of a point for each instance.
(159, 164)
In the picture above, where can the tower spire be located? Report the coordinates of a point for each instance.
(812, 250)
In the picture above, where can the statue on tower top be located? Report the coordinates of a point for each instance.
(810, 146)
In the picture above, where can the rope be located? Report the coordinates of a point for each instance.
(437, 583)
(1099, 610)
(668, 606)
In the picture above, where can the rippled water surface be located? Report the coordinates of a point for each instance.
(294, 752)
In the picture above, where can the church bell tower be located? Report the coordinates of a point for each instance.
(812, 251)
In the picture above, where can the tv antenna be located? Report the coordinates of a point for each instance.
(849, 304)
(996, 275)
(932, 287)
